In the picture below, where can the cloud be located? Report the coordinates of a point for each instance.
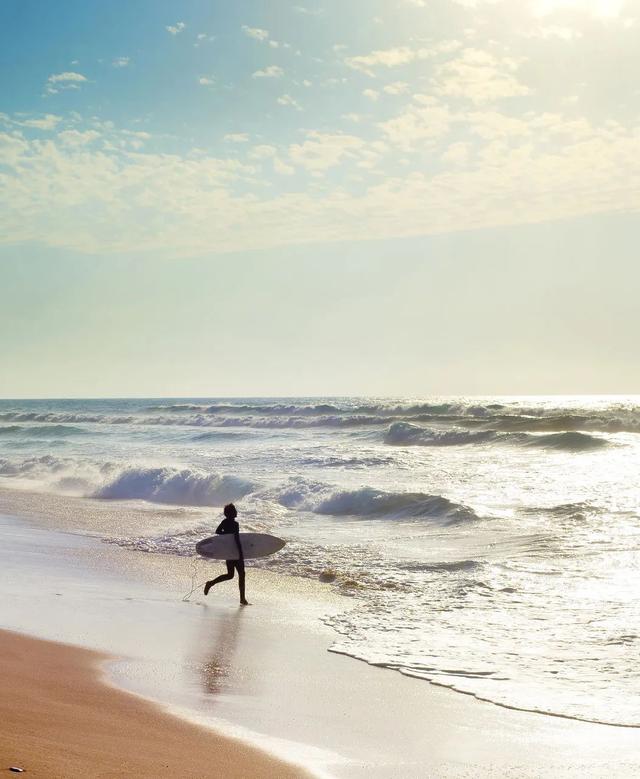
(236, 137)
(479, 76)
(371, 94)
(175, 29)
(206, 81)
(271, 71)
(194, 203)
(13, 149)
(201, 37)
(262, 152)
(121, 62)
(398, 56)
(282, 168)
(287, 100)
(301, 9)
(61, 81)
(397, 88)
(255, 32)
(456, 154)
(46, 122)
(321, 151)
(423, 121)
(78, 137)
(66, 77)
(390, 58)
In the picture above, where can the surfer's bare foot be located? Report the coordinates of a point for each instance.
(244, 602)
(207, 587)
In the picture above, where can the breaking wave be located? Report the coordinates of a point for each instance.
(370, 502)
(218, 435)
(43, 431)
(464, 417)
(57, 417)
(571, 442)
(186, 487)
(557, 423)
(32, 466)
(408, 434)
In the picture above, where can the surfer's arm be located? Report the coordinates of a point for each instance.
(220, 529)
(239, 545)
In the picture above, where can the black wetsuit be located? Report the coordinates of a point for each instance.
(225, 527)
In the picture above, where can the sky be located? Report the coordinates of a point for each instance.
(367, 197)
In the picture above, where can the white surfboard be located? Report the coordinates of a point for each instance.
(223, 547)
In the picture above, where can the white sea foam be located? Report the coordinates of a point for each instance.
(463, 526)
(187, 487)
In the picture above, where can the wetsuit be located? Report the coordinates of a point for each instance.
(225, 527)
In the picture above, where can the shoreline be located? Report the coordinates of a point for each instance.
(53, 695)
(263, 675)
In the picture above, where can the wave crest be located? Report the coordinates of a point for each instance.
(571, 442)
(370, 502)
(408, 434)
(179, 487)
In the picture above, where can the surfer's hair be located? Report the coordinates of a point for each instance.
(230, 511)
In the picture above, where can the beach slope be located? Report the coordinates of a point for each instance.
(59, 720)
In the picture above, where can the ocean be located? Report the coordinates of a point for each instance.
(490, 545)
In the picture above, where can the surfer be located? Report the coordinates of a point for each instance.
(230, 525)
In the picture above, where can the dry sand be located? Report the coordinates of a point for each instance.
(59, 720)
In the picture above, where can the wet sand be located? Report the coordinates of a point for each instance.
(59, 719)
(261, 674)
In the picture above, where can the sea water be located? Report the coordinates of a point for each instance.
(491, 545)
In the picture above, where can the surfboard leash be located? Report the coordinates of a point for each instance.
(194, 587)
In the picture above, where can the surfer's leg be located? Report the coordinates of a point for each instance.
(222, 578)
(240, 567)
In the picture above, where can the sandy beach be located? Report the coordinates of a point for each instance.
(261, 675)
(59, 721)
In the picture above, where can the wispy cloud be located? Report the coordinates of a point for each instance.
(78, 137)
(67, 76)
(67, 80)
(256, 33)
(390, 58)
(305, 11)
(371, 94)
(262, 152)
(206, 81)
(398, 56)
(46, 122)
(479, 76)
(121, 62)
(396, 88)
(423, 120)
(271, 71)
(236, 137)
(176, 29)
(570, 168)
(321, 151)
(289, 101)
